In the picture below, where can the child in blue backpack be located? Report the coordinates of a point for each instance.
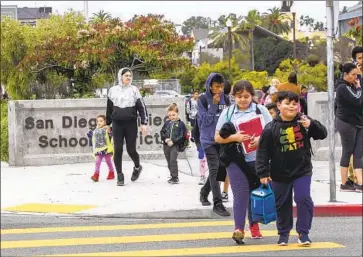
(284, 157)
(240, 165)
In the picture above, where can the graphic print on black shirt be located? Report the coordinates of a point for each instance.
(291, 139)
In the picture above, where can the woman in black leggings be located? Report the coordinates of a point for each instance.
(349, 124)
(123, 103)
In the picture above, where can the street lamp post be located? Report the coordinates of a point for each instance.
(288, 7)
(201, 45)
(229, 26)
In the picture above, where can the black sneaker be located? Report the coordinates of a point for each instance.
(136, 173)
(358, 188)
(304, 240)
(204, 200)
(283, 240)
(347, 187)
(173, 180)
(120, 179)
(350, 182)
(220, 209)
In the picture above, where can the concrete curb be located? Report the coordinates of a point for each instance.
(332, 210)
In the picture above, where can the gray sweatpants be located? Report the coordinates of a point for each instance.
(171, 155)
(352, 144)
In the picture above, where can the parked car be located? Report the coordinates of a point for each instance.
(167, 93)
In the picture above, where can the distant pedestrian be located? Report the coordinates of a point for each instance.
(272, 109)
(102, 147)
(123, 103)
(173, 134)
(284, 156)
(192, 107)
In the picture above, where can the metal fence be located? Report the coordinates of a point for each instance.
(159, 84)
(156, 84)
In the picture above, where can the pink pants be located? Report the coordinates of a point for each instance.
(108, 161)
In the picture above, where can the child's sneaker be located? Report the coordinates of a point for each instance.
(283, 240)
(202, 180)
(347, 187)
(255, 231)
(95, 177)
(224, 197)
(173, 180)
(239, 236)
(304, 240)
(111, 175)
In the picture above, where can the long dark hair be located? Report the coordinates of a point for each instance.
(244, 85)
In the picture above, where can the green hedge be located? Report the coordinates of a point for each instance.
(4, 131)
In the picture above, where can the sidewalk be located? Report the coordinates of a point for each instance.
(68, 190)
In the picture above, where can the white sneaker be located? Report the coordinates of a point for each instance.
(202, 181)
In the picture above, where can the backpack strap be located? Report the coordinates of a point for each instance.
(228, 112)
(258, 111)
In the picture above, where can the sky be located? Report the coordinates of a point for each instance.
(178, 11)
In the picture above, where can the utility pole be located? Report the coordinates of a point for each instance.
(86, 9)
(330, 68)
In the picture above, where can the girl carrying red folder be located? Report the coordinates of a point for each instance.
(241, 165)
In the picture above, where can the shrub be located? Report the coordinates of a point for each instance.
(4, 131)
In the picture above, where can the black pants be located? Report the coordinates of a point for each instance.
(171, 155)
(120, 132)
(352, 144)
(212, 155)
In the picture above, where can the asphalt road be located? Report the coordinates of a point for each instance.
(120, 237)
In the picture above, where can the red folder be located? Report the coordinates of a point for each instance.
(251, 127)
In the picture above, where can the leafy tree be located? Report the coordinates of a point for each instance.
(65, 49)
(306, 75)
(186, 79)
(222, 67)
(195, 22)
(276, 21)
(306, 20)
(16, 44)
(355, 31)
(319, 26)
(258, 79)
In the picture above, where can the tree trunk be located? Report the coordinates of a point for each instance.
(251, 48)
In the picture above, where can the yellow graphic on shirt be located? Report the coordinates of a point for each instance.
(291, 139)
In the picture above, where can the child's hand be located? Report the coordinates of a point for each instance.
(167, 140)
(305, 121)
(241, 137)
(265, 181)
(254, 142)
(170, 143)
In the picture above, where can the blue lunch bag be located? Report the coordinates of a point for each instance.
(263, 204)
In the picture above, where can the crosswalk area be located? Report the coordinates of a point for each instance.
(201, 238)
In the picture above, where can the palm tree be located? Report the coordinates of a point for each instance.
(220, 38)
(276, 21)
(250, 22)
(100, 17)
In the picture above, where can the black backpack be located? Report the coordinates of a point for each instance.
(195, 130)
